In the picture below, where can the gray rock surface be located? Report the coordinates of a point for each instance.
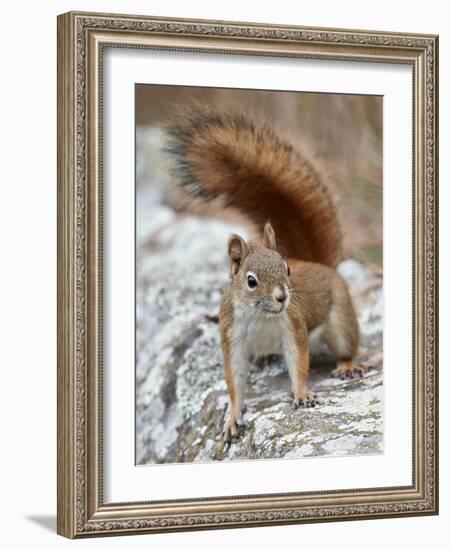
(181, 398)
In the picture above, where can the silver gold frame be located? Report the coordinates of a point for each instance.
(81, 40)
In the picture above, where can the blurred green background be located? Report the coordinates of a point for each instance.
(343, 133)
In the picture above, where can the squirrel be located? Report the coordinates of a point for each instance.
(284, 286)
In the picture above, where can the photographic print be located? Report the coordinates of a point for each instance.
(259, 274)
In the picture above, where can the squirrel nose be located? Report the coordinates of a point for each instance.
(280, 295)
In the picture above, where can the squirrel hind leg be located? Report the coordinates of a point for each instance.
(341, 334)
(343, 344)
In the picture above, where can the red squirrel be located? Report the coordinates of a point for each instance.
(284, 286)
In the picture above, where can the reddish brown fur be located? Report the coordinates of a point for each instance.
(299, 375)
(318, 297)
(218, 154)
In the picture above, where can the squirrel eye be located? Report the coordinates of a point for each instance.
(251, 282)
(289, 271)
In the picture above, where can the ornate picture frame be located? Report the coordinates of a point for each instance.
(82, 38)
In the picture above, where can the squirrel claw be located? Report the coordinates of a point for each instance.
(309, 401)
(348, 369)
(230, 432)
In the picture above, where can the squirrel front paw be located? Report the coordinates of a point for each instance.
(309, 400)
(231, 431)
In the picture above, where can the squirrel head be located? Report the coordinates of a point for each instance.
(260, 276)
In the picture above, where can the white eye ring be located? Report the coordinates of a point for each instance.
(251, 280)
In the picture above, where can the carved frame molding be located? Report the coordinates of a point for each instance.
(81, 39)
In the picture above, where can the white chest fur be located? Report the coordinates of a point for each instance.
(257, 335)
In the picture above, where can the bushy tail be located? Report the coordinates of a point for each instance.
(216, 154)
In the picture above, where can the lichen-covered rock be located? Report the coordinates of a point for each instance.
(181, 397)
(181, 392)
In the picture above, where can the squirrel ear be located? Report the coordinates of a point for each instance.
(269, 240)
(237, 251)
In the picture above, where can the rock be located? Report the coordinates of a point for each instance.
(181, 397)
(354, 273)
(181, 392)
